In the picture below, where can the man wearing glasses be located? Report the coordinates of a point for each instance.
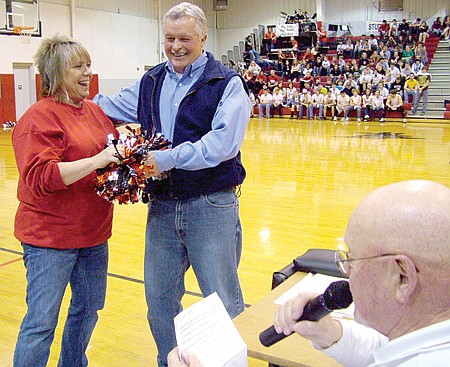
(398, 265)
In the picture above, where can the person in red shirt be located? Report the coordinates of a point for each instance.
(306, 79)
(308, 56)
(272, 79)
(294, 43)
(383, 29)
(270, 39)
(62, 223)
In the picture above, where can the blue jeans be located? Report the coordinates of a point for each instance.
(317, 107)
(308, 111)
(267, 106)
(204, 232)
(423, 95)
(413, 93)
(48, 273)
(350, 108)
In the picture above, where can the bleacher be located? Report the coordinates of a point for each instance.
(328, 47)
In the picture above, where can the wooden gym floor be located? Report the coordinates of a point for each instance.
(303, 180)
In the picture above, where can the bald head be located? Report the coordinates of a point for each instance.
(406, 288)
(406, 217)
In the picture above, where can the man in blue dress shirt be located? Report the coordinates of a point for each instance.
(203, 108)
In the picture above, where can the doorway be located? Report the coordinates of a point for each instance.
(24, 87)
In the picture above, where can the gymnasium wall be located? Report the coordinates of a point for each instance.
(123, 39)
(121, 43)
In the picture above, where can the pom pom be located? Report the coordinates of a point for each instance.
(124, 183)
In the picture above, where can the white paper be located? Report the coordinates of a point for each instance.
(315, 283)
(206, 331)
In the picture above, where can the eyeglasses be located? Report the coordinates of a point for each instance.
(343, 262)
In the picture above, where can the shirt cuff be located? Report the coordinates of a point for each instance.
(164, 159)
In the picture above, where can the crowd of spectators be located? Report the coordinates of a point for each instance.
(371, 74)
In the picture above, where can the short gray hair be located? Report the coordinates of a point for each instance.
(189, 10)
(53, 59)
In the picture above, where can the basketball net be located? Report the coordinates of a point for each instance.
(25, 33)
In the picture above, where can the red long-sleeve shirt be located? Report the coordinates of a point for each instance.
(51, 214)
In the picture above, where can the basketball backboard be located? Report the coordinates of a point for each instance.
(17, 14)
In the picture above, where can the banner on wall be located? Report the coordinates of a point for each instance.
(372, 26)
(287, 30)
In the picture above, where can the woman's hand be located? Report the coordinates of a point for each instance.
(107, 156)
(74, 171)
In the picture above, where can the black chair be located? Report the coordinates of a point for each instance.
(312, 261)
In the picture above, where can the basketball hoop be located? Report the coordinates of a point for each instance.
(25, 33)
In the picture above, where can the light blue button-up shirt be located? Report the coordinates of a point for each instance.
(218, 145)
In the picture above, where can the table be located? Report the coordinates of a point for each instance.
(293, 351)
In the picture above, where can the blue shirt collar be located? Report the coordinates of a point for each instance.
(190, 69)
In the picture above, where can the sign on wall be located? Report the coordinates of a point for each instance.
(287, 30)
(372, 26)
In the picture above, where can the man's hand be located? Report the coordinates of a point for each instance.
(188, 359)
(323, 333)
(151, 168)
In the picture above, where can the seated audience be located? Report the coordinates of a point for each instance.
(349, 85)
(394, 102)
(329, 102)
(295, 70)
(294, 43)
(423, 32)
(437, 27)
(393, 28)
(305, 101)
(446, 28)
(420, 53)
(383, 29)
(317, 101)
(378, 105)
(398, 85)
(414, 29)
(403, 28)
(406, 71)
(272, 79)
(417, 66)
(265, 103)
(408, 54)
(294, 103)
(367, 98)
(254, 68)
(354, 104)
(411, 88)
(342, 102)
(277, 98)
(289, 92)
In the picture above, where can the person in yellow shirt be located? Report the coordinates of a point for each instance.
(411, 88)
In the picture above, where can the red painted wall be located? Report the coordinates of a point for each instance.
(8, 101)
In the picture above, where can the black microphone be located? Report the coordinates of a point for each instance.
(335, 297)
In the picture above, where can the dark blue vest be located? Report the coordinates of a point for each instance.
(195, 114)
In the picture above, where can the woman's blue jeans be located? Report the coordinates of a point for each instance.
(204, 232)
(48, 273)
